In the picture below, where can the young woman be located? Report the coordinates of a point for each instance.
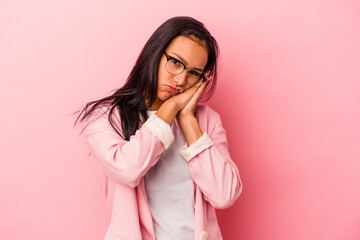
(165, 157)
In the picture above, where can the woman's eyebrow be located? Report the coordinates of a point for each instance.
(184, 61)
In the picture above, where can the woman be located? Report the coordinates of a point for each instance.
(165, 157)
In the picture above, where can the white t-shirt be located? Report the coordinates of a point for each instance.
(169, 189)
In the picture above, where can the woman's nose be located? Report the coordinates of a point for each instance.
(181, 78)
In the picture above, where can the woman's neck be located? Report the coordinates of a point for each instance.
(156, 105)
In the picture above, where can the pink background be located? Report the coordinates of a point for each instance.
(288, 95)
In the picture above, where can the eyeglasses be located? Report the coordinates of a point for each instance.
(176, 67)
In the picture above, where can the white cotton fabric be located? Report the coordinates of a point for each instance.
(169, 188)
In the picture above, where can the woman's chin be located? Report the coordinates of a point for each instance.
(165, 96)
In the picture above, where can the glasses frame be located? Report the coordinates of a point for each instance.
(168, 58)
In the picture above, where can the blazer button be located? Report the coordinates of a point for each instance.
(204, 235)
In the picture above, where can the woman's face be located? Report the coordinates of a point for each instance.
(191, 52)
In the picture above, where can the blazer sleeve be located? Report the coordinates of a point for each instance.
(127, 161)
(213, 170)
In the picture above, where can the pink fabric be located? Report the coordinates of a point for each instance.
(160, 129)
(216, 178)
(188, 152)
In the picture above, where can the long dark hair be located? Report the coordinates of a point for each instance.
(141, 85)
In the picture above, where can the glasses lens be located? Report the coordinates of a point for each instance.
(194, 76)
(173, 66)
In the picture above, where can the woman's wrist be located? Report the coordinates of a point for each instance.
(186, 114)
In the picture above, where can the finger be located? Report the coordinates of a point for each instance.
(200, 90)
(193, 92)
(196, 97)
(198, 83)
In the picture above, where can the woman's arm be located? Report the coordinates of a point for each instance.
(213, 169)
(209, 159)
(127, 161)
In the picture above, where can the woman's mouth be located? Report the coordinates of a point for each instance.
(172, 90)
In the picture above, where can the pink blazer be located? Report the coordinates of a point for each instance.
(215, 176)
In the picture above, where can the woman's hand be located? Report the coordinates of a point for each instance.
(187, 100)
(189, 108)
(183, 103)
(186, 118)
(182, 99)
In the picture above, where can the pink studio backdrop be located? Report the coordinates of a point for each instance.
(288, 95)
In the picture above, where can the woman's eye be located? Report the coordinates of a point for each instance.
(174, 61)
(194, 73)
